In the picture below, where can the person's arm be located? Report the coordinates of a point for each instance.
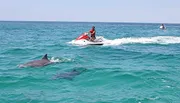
(93, 32)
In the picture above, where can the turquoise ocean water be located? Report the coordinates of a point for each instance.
(138, 63)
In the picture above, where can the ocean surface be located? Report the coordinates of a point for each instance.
(138, 63)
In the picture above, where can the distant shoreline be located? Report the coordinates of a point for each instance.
(86, 22)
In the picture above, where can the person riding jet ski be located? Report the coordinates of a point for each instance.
(93, 33)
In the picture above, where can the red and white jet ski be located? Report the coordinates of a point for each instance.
(86, 38)
(83, 36)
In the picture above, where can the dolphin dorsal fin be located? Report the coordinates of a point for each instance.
(45, 57)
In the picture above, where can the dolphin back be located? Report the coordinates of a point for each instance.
(37, 63)
(68, 75)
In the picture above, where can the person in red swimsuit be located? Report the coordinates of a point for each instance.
(93, 33)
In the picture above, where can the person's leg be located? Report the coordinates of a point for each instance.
(92, 38)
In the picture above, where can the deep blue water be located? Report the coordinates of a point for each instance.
(138, 63)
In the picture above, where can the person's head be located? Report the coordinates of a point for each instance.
(93, 27)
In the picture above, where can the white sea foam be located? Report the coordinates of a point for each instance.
(133, 40)
(145, 40)
(57, 60)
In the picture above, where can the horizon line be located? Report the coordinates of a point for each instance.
(86, 21)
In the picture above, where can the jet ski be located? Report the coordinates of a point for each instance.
(162, 27)
(84, 37)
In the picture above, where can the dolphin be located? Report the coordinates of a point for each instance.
(37, 63)
(68, 75)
